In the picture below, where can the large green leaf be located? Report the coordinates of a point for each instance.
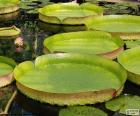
(115, 23)
(70, 73)
(130, 60)
(90, 42)
(124, 103)
(65, 12)
(81, 111)
(62, 78)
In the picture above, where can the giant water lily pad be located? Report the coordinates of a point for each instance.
(8, 6)
(68, 13)
(127, 26)
(6, 70)
(89, 42)
(81, 111)
(70, 79)
(9, 16)
(9, 32)
(125, 104)
(130, 60)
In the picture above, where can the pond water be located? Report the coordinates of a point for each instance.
(32, 38)
(33, 34)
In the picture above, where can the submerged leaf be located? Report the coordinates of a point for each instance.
(81, 111)
(32, 6)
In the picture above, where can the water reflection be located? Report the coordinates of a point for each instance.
(57, 28)
(32, 39)
(7, 47)
(35, 107)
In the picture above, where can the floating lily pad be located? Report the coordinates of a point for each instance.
(126, 26)
(124, 104)
(89, 42)
(81, 111)
(130, 60)
(9, 32)
(8, 6)
(9, 16)
(6, 70)
(70, 79)
(68, 13)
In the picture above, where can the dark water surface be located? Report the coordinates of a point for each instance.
(33, 34)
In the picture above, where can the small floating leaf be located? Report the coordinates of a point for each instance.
(81, 111)
(123, 103)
